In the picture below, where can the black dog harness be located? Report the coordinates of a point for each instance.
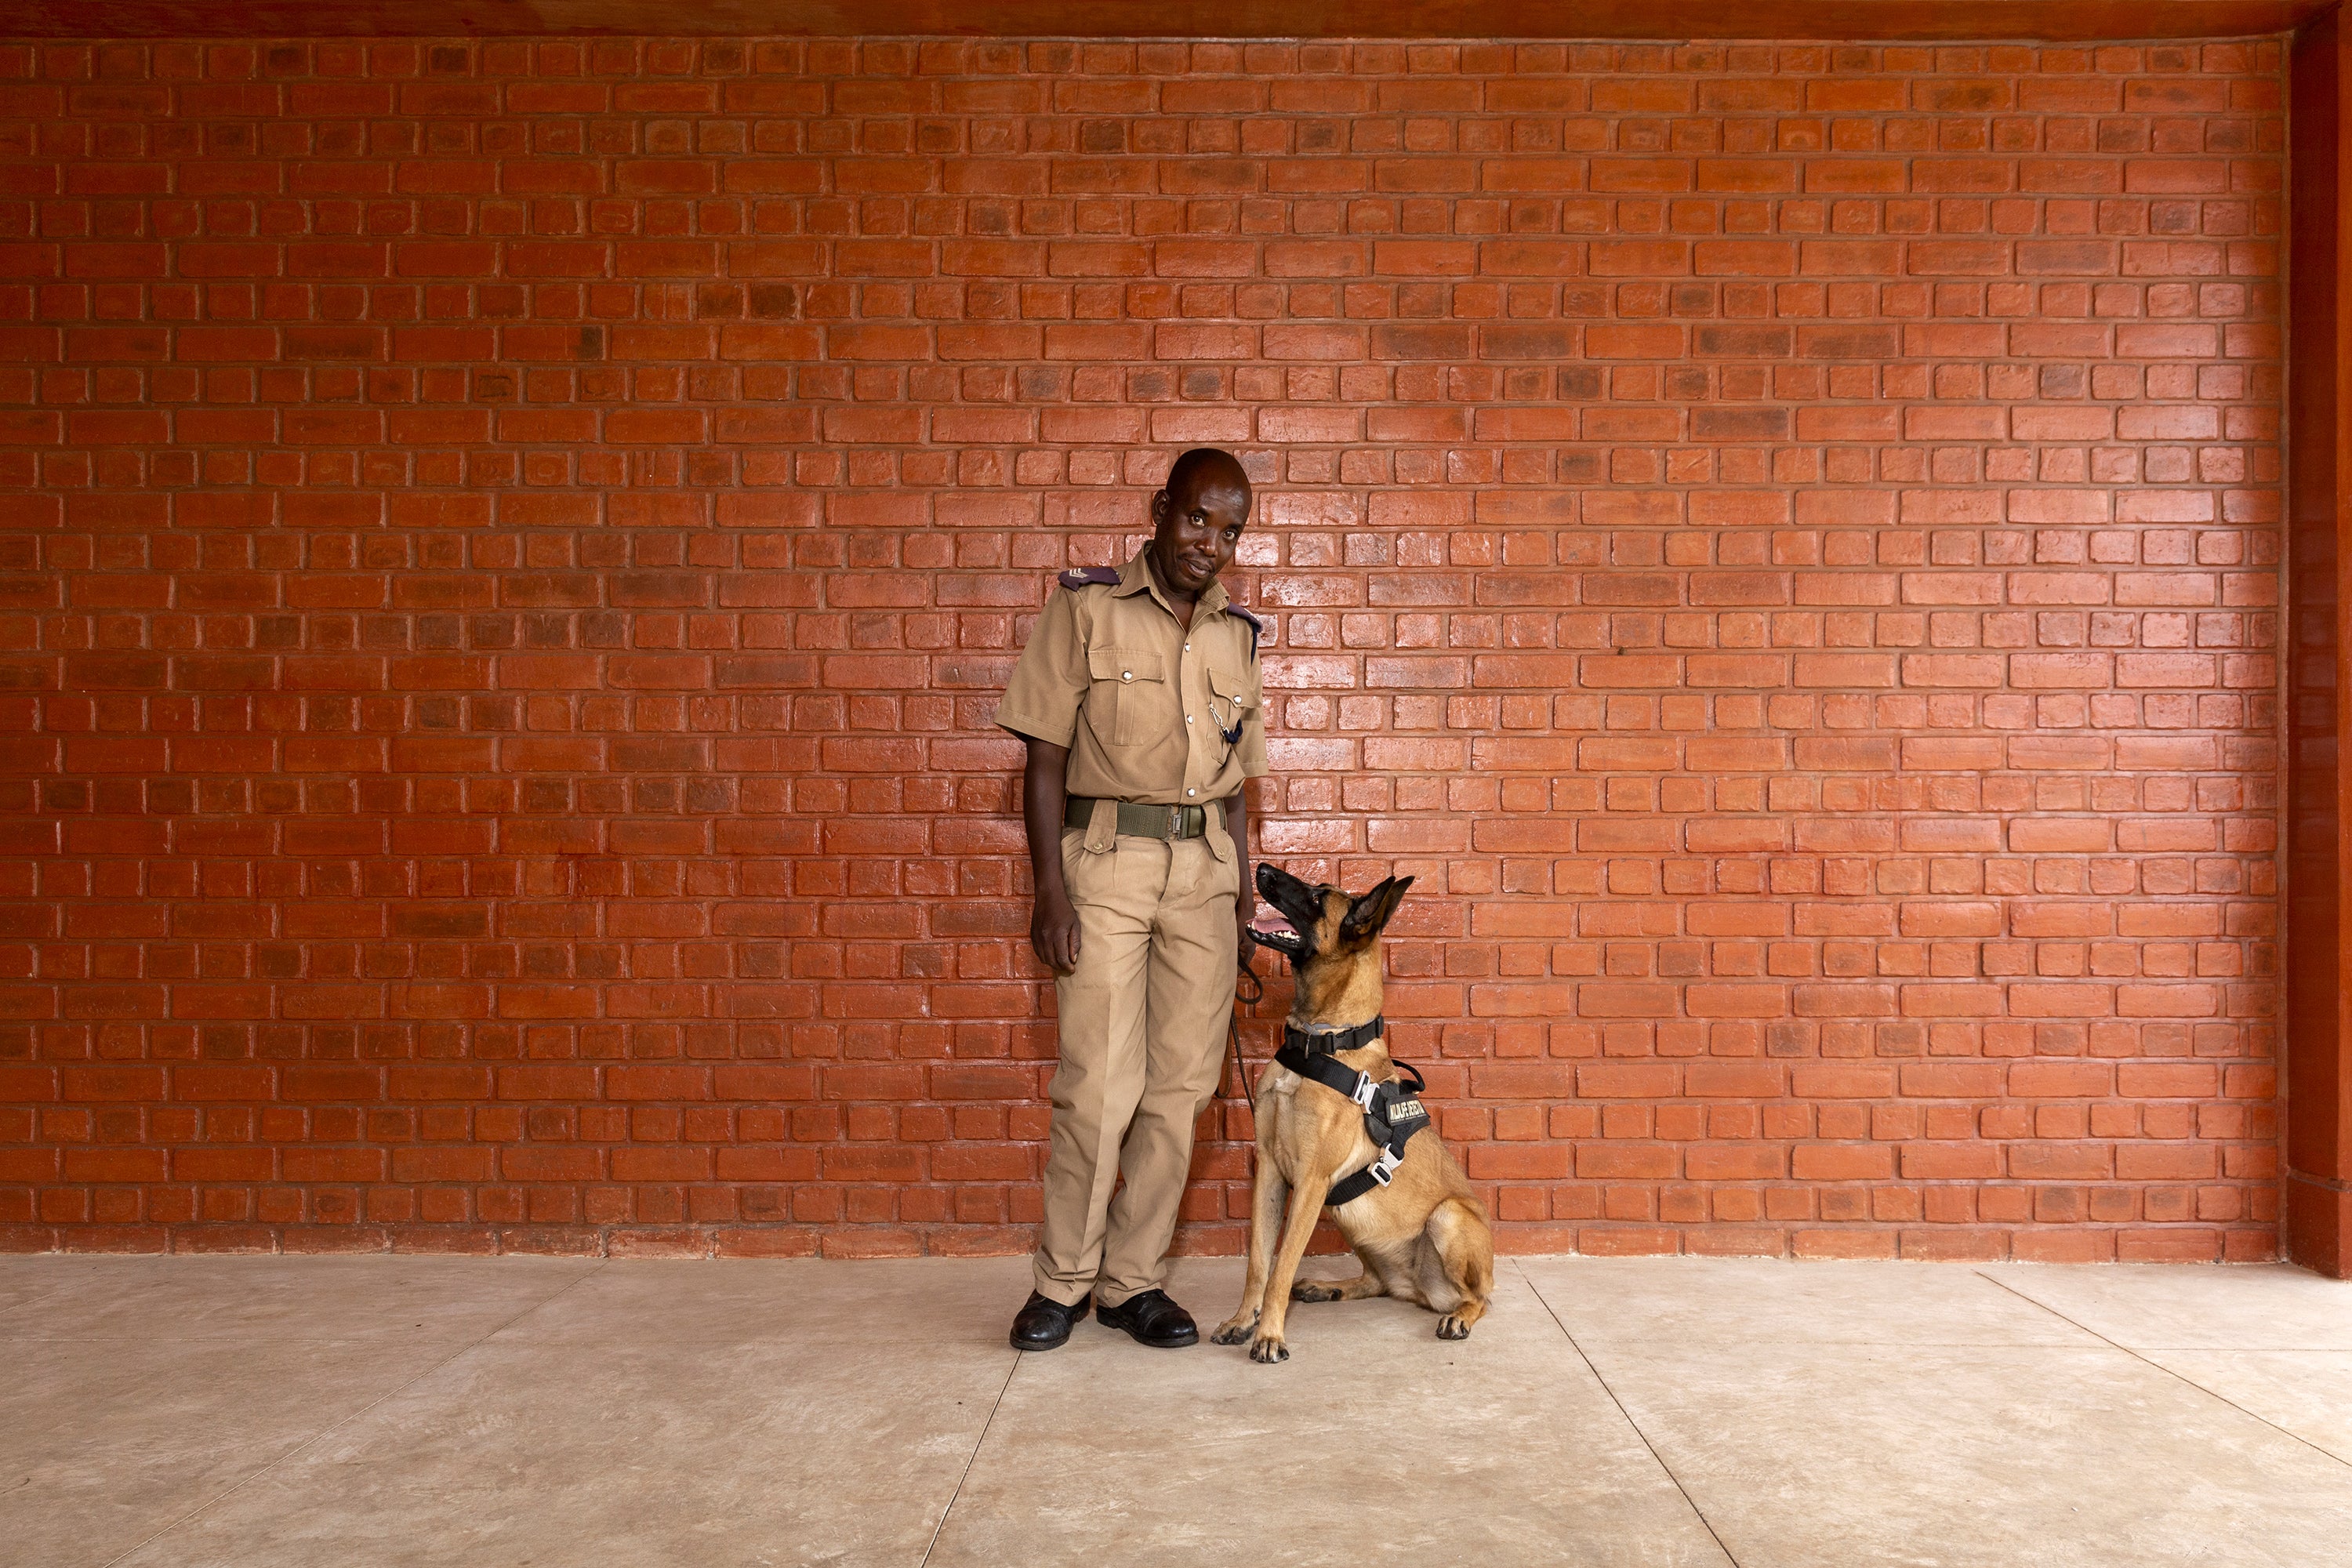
(1392, 1112)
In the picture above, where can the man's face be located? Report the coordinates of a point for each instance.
(1196, 523)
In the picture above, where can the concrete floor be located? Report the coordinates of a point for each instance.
(303, 1412)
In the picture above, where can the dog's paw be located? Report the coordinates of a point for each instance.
(1234, 1329)
(1314, 1291)
(1268, 1351)
(1450, 1327)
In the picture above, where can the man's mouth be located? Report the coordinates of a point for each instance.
(1204, 570)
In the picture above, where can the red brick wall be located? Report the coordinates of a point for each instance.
(509, 548)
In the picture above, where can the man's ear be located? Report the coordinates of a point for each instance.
(1368, 914)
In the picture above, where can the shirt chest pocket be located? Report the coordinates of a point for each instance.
(1230, 703)
(1127, 702)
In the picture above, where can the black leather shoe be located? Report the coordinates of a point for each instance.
(1153, 1320)
(1043, 1324)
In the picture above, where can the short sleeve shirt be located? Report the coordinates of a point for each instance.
(1151, 710)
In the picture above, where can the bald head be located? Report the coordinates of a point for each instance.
(1205, 463)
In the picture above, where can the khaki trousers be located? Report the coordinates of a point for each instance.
(1142, 1041)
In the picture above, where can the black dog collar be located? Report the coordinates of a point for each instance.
(1322, 1042)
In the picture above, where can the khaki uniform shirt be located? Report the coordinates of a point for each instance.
(1143, 704)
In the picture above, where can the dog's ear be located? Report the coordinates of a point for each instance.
(1368, 914)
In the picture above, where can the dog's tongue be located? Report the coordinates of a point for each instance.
(1272, 924)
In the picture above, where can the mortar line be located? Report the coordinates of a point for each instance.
(2166, 1370)
(973, 1458)
(1697, 1512)
(328, 1431)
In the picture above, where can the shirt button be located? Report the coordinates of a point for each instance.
(1191, 792)
(1188, 717)
(1127, 675)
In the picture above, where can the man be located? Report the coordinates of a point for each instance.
(1138, 697)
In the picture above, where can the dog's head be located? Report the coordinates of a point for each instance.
(1332, 937)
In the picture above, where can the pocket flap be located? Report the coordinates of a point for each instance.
(1124, 664)
(1232, 687)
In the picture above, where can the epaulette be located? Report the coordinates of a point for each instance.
(1256, 627)
(1089, 576)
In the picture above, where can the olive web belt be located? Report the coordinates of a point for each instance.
(1139, 821)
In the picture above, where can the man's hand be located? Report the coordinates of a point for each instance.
(1054, 931)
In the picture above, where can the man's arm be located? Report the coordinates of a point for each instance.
(1245, 904)
(1045, 795)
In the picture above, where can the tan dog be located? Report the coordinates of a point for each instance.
(1423, 1236)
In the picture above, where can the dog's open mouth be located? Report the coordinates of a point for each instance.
(1272, 930)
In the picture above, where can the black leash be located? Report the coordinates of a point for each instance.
(1247, 998)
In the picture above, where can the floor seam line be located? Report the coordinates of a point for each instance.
(1689, 1502)
(978, 1443)
(328, 1431)
(2211, 1394)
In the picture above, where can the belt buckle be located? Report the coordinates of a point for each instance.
(1175, 823)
